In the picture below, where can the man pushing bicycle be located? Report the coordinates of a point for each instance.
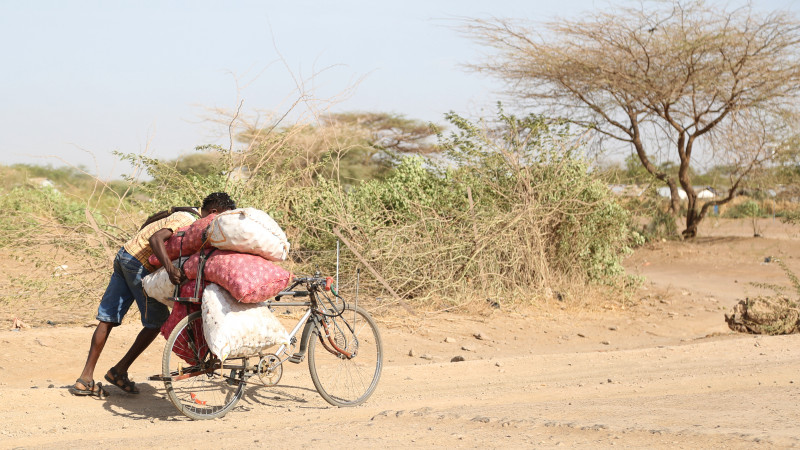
(130, 266)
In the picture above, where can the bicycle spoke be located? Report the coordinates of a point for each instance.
(206, 392)
(345, 357)
(347, 381)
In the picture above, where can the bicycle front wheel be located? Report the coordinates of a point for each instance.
(194, 378)
(345, 357)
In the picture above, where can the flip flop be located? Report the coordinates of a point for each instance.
(90, 389)
(121, 381)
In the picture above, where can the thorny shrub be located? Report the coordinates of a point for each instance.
(63, 257)
(506, 209)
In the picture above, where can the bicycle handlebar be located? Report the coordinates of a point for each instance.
(316, 281)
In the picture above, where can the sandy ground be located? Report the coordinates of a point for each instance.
(662, 372)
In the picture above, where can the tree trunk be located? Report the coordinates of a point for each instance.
(675, 198)
(694, 216)
(692, 221)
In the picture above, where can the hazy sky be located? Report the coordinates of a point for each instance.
(79, 79)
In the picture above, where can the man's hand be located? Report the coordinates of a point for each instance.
(176, 276)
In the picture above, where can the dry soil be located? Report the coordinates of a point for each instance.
(661, 370)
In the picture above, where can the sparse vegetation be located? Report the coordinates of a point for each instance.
(505, 207)
(507, 210)
(775, 314)
(673, 79)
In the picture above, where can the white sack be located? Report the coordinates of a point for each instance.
(234, 329)
(249, 230)
(158, 286)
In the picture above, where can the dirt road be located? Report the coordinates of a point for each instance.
(666, 373)
(643, 388)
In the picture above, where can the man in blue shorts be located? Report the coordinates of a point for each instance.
(130, 266)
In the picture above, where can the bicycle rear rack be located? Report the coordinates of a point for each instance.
(185, 299)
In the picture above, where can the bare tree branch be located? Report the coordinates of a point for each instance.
(686, 66)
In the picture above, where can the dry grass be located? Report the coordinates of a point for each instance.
(519, 221)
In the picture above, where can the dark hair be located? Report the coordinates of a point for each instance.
(220, 201)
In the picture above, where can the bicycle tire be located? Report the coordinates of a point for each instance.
(340, 381)
(209, 395)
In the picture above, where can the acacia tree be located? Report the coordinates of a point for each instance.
(353, 146)
(682, 78)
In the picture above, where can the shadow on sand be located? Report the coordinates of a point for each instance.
(152, 403)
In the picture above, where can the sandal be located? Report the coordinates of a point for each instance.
(90, 389)
(121, 381)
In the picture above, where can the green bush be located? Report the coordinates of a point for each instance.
(538, 216)
(26, 209)
(526, 171)
(748, 209)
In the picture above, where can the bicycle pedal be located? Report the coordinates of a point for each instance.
(297, 358)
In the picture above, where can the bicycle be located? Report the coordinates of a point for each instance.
(344, 348)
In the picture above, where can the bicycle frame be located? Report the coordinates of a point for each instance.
(309, 321)
(339, 377)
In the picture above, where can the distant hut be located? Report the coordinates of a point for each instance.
(706, 193)
(664, 192)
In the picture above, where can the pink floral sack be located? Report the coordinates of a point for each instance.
(248, 278)
(193, 240)
(187, 289)
(182, 346)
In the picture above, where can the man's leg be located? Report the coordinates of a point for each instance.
(154, 314)
(113, 306)
(98, 342)
(118, 375)
(143, 340)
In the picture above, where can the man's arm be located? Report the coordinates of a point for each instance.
(157, 244)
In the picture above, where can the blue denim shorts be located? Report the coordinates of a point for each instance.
(125, 287)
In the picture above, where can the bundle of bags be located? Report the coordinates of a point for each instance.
(239, 274)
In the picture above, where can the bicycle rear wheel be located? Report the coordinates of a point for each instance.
(342, 380)
(194, 379)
